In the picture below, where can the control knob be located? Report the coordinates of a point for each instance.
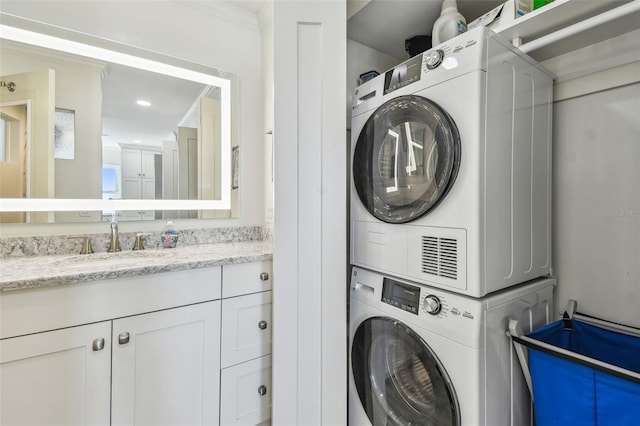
(434, 58)
(432, 305)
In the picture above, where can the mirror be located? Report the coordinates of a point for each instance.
(91, 150)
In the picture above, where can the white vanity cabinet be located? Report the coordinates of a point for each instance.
(186, 347)
(246, 344)
(138, 350)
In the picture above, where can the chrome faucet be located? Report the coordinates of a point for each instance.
(114, 243)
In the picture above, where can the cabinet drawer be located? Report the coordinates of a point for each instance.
(246, 278)
(246, 393)
(246, 328)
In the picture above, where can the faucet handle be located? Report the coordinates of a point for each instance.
(86, 244)
(137, 245)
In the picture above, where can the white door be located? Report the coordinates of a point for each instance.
(59, 377)
(208, 150)
(166, 367)
(310, 251)
(188, 159)
(37, 91)
(13, 159)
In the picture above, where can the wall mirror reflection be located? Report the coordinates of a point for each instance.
(104, 134)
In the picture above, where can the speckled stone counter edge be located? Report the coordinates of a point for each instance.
(45, 271)
(11, 247)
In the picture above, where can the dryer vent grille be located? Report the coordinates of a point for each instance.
(440, 257)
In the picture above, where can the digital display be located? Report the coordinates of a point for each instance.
(404, 74)
(401, 295)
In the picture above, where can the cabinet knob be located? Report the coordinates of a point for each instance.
(123, 338)
(262, 325)
(264, 276)
(262, 390)
(98, 344)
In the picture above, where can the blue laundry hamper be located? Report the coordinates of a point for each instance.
(581, 371)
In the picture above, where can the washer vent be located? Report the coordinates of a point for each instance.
(440, 257)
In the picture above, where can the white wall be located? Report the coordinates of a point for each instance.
(205, 32)
(596, 188)
(596, 177)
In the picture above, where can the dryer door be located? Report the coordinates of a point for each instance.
(406, 159)
(399, 379)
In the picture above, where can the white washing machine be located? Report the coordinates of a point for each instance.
(424, 356)
(451, 167)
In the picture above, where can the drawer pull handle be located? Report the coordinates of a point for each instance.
(123, 338)
(262, 390)
(264, 276)
(98, 344)
(262, 325)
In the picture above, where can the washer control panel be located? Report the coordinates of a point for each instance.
(401, 295)
(443, 306)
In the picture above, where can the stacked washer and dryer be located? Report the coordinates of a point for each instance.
(450, 234)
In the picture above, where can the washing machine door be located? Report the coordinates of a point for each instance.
(406, 159)
(399, 379)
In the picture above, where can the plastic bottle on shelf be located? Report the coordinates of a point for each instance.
(169, 236)
(449, 24)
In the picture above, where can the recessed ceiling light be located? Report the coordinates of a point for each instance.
(143, 103)
(137, 141)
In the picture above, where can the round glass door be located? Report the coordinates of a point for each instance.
(406, 159)
(399, 379)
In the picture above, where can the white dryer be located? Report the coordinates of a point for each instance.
(424, 356)
(451, 167)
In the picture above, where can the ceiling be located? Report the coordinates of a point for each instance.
(124, 121)
(397, 20)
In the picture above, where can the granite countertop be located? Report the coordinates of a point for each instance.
(45, 271)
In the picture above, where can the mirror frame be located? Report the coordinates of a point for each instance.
(43, 35)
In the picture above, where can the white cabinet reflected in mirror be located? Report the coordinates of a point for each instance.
(110, 128)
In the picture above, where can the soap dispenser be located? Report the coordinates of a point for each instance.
(169, 236)
(449, 24)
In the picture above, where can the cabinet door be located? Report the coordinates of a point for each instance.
(148, 166)
(57, 378)
(131, 188)
(246, 393)
(166, 367)
(148, 188)
(131, 160)
(246, 328)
